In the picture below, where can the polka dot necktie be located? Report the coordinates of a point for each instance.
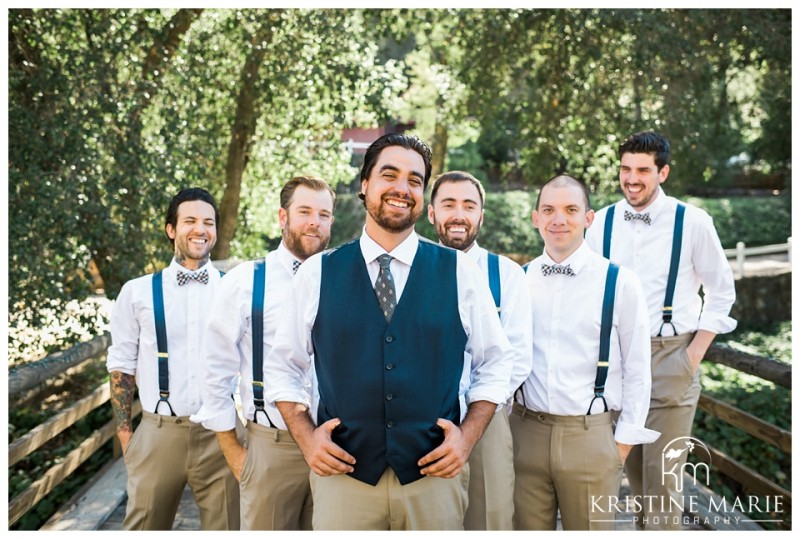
(295, 266)
(384, 288)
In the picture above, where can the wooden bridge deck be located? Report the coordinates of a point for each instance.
(101, 506)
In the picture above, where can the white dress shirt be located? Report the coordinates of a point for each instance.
(134, 349)
(515, 311)
(646, 249)
(489, 359)
(228, 343)
(567, 314)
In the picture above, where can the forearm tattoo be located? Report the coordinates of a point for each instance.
(122, 388)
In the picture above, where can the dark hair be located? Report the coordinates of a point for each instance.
(188, 195)
(409, 142)
(456, 176)
(312, 182)
(647, 142)
(562, 180)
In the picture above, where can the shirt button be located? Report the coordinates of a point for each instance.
(389, 424)
(389, 366)
(389, 396)
(389, 338)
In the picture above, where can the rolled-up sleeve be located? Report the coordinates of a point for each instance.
(123, 353)
(716, 277)
(488, 348)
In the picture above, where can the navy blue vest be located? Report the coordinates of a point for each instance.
(388, 383)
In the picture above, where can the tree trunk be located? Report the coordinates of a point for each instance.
(242, 132)
(439, 147)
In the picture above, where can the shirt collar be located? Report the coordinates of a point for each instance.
(653, 209)
(285, 257)
(174, 267)
(476, 252)
(576, 260)
(405, 252)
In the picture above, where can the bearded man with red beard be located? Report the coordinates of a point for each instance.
(409, 355)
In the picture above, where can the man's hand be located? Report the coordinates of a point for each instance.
(449, 458)
(234, 452)
(125, 435)
(323, 456)
(698, 347)
(624, 451)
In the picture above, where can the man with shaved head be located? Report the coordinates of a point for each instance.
(585, 402)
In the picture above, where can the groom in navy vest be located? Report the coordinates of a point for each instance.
(409, 358)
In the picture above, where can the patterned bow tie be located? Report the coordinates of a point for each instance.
(557, 269)
(295, 266)
(185, 276)
(631, 216)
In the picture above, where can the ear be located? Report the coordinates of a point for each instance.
(364, 187)
(480, 222)
(283, 217)
(663, 173)
(430, 213)
(589, 218)
(535, 218)
(170, 231)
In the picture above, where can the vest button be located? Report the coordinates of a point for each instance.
(389, 366)
(389, 424)
(389, 396)
(389, 338)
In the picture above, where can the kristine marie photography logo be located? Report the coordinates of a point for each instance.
(685, 478)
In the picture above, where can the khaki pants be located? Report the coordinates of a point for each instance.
(275, 489)
(166, 453)
(491, 478)
(567, 463)
(430, 503)
(673, 401)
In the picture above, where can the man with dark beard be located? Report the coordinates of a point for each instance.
(409, 356)
(157, 327)
(273, 477)
(456, 212)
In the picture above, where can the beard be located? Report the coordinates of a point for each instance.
(393, 223)
(462, 244)
(304, 246)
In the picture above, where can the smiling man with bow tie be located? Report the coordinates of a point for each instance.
(674, 249)
(157, 324)
(584, 405)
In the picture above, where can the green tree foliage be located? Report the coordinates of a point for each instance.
(112, 111)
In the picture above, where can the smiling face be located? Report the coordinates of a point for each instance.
(194, 233)
(306, 226)
(639, 178)
(456, 214)
(394, 192)
(562, 218)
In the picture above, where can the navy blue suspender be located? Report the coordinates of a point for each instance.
(607, 232)
(494, 278)
(605, 337)
(257, 320)
(677, 240)
(161, 342)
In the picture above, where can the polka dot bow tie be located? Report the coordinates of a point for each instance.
(631, 216)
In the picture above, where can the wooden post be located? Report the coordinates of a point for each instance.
(740, 257)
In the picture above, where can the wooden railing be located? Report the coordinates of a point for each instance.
(767, 369)
(27, 376)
